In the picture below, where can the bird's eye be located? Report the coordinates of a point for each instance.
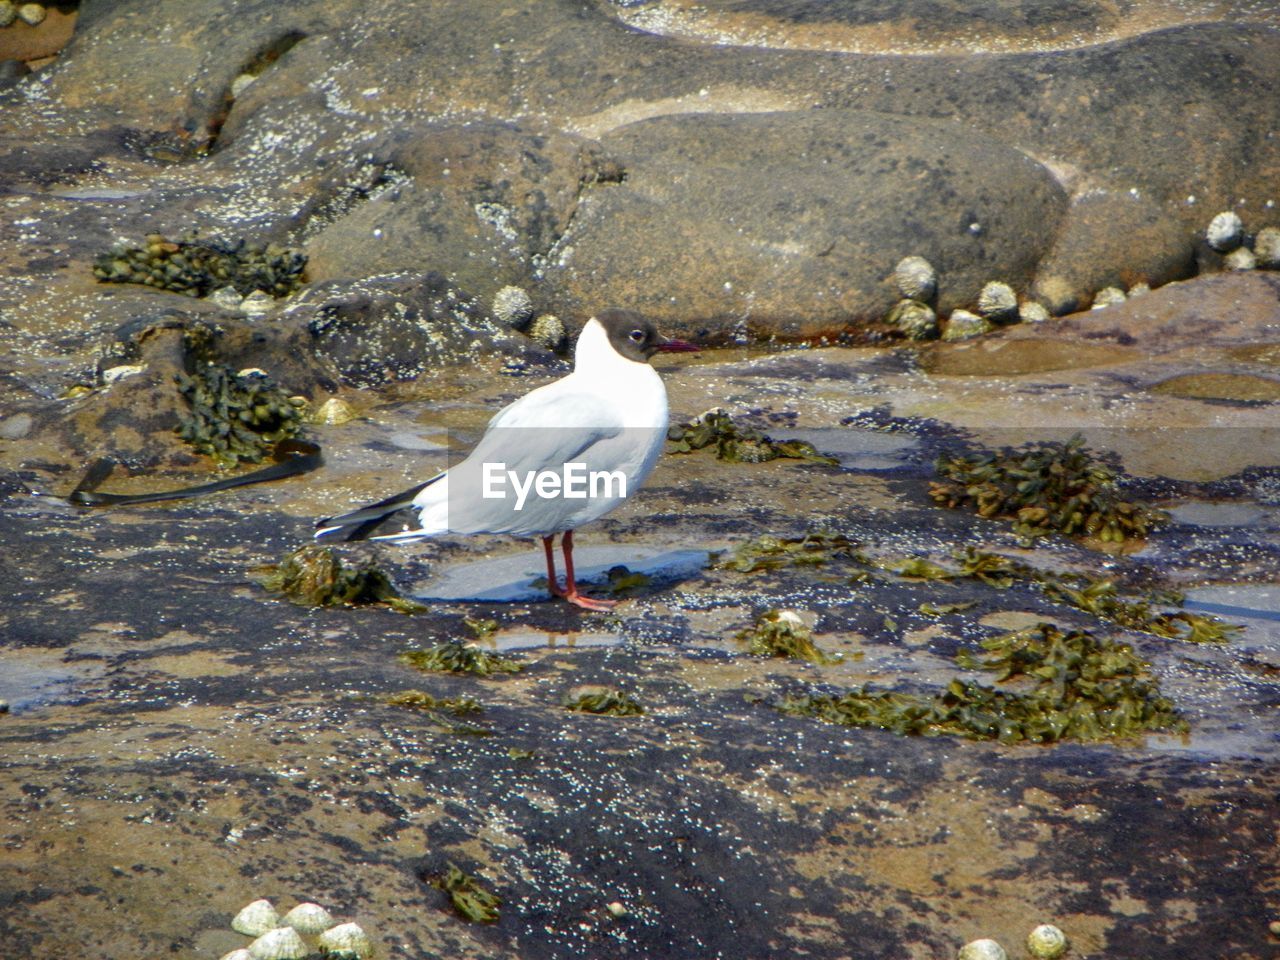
(637, 336)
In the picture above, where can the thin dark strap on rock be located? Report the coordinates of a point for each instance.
(292, 458)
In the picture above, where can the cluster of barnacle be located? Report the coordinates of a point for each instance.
(1085, 688)
(782, 633)
(773, 553)
(198, 267)
(737, 443)
(235, 416)
(469, 898)
(314, 576)
(1045, 488)
(305, 931)
(606, 701)
(454, 656)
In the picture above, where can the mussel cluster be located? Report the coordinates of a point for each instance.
(737, 443)
(235, 416)
(198, 267)
(314, 576)
(1047, 488)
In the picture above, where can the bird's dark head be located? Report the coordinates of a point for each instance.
(634, 336)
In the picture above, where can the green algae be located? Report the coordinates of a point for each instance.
(1084, 689)
(736, 443)
(469, 899)
(198, 267)
(235, 416)
(1045, 488)
(436, 708)
(1102, 599)
(604, 701)
(774, 553)
(918, 568)
(781, 633)
(938, 610)
(454, 656)
(313, 576)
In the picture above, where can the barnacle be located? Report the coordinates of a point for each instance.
(314, 576)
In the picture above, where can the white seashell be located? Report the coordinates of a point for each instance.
(225, 297)
(309, 918)
(917, 320)
(916, 278)
(241, 83)
(998, 301)
(334, 412)
(1108, 296)
(982, 950)
(963, 325)
(1046, 942)
(346, 936)
(1032, 311)
(8, 13)
(258, 303)
(1266, 247)
(512, 306)
(31, 13)
(256, 919)
(616, 909)
(548, 331)
(1241, 258)
(1225, 232)
(283, 943)
(790, 617)
(241, 954)
(112, 374)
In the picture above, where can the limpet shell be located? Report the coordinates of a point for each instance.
(998, 302)
(8, 13)
(916, 279)
(1032, 311)
(241, 954)
(256, 919)
(963, 325)
(917, 320)
(1266, 247)
(1046, 942)
(549, 331)
(512, 306)
(309, 918)
(283, 943)
(1225, 232)
(983, 949)
(1241, 258)
(32, 14)
(346, 936)
(1108, 296)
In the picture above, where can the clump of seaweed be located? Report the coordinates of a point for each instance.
(435, 708)
(624, 582)
(454, 656)
(781, 633)
(1102, 599)
(1084, 689)
(470, 900)
(198, 267)
(235, 416)
(1045, 488)
(313, 576)
(737, 443)
(774, 553)
(607, 701)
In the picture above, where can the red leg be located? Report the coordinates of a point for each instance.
(552, 584)
(571, 588)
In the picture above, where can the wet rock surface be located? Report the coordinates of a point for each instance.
(178, 733)
(180, 741)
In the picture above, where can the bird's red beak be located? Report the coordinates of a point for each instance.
(666, 345)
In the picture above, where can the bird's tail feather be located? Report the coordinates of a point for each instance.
(358, 524)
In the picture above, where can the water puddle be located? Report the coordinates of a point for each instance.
(524, 639)
(1013, 358)
(868, 450)
(1220, 514)
(1238, 387)
(33, 678)
(1244, 601)
(509, 579)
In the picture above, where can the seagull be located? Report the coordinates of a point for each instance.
(562, 455)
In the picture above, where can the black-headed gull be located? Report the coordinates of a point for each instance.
(560, 456)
